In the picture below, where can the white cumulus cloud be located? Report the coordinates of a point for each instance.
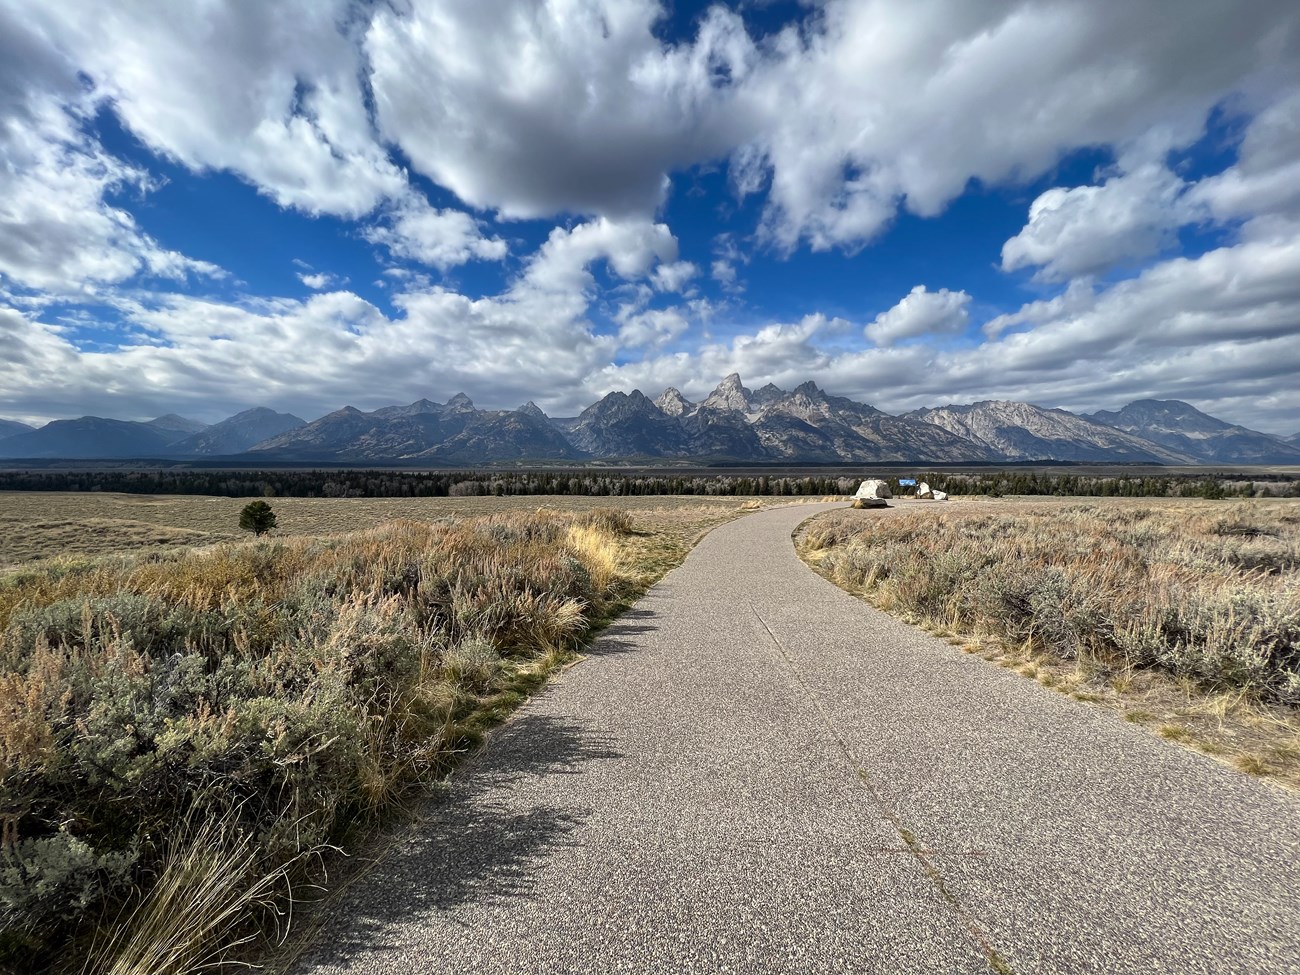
(921, 312)
(631, 247)
(675, 276)
(440, 238)
(537, 109)
(58, 232)
(878, 105)
(1265, 180)
(318, 280)
(1090, 229)
(268, 91)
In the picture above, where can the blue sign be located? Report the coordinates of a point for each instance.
(907, 482)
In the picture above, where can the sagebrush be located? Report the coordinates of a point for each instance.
(1206, 592)
(287, 690)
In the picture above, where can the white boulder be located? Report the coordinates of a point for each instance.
(873, 488)
(923, 490)
(940, 495)
(861, 503)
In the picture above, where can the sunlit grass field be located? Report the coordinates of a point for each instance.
(186, 710)
(191, 718)
(1183, 615)
(38, 525)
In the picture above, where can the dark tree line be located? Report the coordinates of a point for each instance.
(1235, 485)
(419, 484)
(424, 484)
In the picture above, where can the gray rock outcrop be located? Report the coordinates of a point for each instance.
(873, 488)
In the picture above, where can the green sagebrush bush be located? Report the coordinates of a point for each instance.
(1210, 597)
(290, 690)
(57, 878)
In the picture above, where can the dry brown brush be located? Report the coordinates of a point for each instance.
(1208, 592)
(193, 724)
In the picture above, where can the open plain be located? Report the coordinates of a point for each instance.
(752, 770)
(38, 525)
(755, 772)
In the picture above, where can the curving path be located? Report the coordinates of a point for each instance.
(755, 772)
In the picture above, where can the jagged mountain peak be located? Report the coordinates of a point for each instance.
(1025, 432)
(421, 407)
(805, 425)
(532, 409)
(1172, 413)
(730, 394)
(621, 402)
(987, 404)
(673, 403)
(628, 425)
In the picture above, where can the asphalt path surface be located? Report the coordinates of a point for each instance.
(753, 771)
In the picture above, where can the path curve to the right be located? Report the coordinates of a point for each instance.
(754, 771)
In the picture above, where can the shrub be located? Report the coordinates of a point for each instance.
(1208, 596)
(290, 691)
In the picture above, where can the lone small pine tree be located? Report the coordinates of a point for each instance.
(257, 517)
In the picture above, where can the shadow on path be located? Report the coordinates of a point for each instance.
(479, 841)
(621, 635)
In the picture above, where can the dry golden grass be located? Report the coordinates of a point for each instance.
(41, 525)
(197, 911)
(304, 684)
(1181, 616)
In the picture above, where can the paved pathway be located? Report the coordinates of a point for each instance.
(755, 772)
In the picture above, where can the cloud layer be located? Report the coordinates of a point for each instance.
(448, 136)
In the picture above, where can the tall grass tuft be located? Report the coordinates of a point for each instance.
(211, 886)
(176, 730)
(1208, 597)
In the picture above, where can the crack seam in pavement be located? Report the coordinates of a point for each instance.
(996, 962)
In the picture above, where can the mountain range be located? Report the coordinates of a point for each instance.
(1187, 430)
(805, 425)
(101, 438)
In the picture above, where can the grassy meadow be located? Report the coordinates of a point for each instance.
(190, 718)
(1182, 615)
(42, 524)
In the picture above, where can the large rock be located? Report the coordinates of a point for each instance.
(861, 503)
(873, 488)
(923, 491)
(941, 495)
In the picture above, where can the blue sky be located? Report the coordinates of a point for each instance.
(308, 204)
